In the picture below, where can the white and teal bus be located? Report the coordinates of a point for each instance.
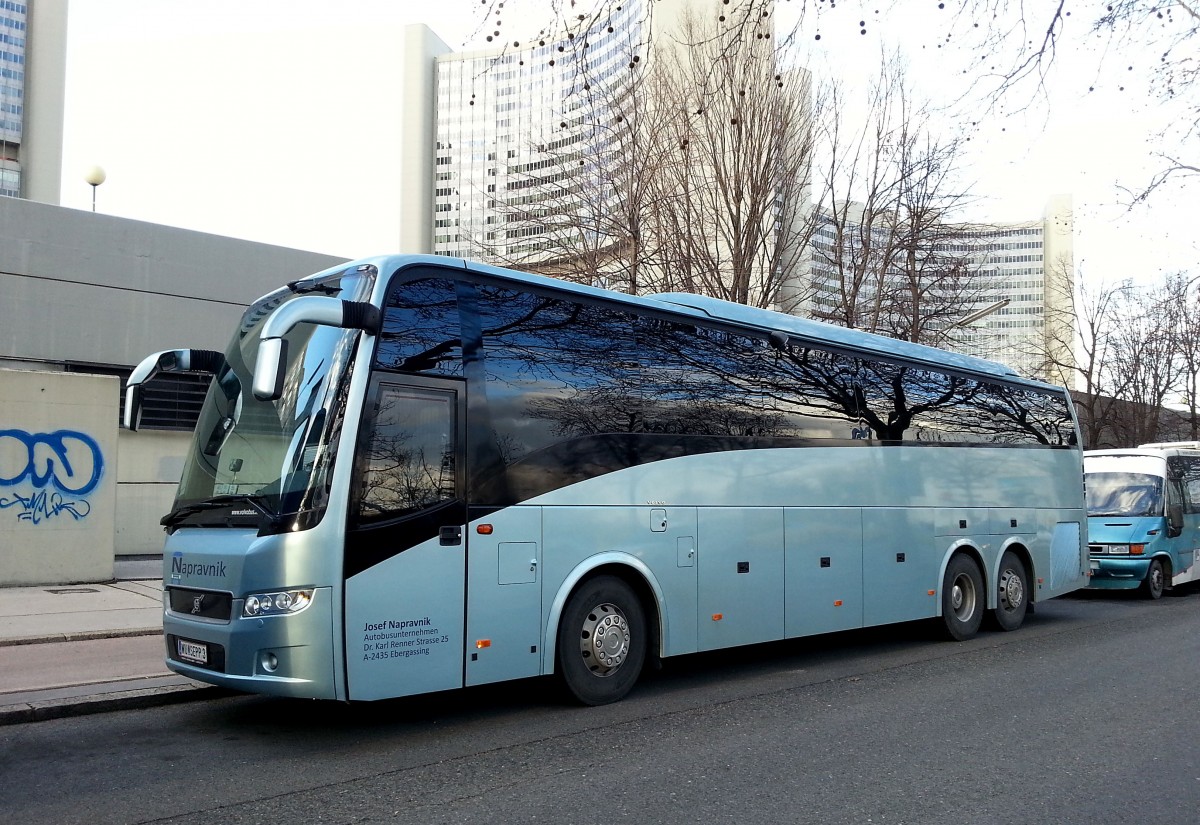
(413, 474)
(1144, 516)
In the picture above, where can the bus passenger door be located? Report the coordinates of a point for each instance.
(404, 550)
(504, 605)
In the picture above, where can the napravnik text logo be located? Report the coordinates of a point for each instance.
(181, 568)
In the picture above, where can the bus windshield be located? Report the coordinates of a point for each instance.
(266, 463)
(1124, 494)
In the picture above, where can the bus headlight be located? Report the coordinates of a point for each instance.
(276, 604)
(1126, 549)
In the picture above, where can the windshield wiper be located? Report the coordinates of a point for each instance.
(259, 503)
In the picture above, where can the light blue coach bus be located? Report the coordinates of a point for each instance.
(1144, 516)
(414, 473)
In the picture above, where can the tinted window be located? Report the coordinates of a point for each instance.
(819, 393)
(410, 456)
(556, 369)
(703, 381)
(825, 394)
(421, 332)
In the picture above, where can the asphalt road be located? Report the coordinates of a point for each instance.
(1088, 714)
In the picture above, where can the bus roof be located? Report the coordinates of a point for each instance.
(816, 332)
(705, 307)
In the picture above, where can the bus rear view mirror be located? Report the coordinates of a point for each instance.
(270, 367)
(171, 360)
(1174, 519)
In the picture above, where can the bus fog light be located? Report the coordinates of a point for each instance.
(281, 603)
(270, 662)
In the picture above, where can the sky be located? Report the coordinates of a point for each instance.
(224, 116)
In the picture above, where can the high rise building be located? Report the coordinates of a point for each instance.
(33, 56)
(596, 155)
(514, 121)
(1011, 283)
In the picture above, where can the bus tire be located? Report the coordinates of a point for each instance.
(1156, 580)
(601, 641)
(1012, 596)
(963, 600)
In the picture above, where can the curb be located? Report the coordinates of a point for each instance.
(81, 636)
(120, 696)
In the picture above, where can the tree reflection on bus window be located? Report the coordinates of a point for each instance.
(410, 458)
(421, 329)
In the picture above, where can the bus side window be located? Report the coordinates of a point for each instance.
(409, 464)
(1188, 469)
(421, 332)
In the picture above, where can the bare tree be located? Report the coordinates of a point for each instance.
(731, 206)
(1181, 305)
(691, 172)
(1144, 360)
(890, 260)
(1080, 343)
(577, 204)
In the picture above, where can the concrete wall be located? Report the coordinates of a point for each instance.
(81, 291)
(150, 464)
(58, 477)
(90, 288)
(45, 100)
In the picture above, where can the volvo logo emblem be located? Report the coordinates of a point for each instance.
(196, 603)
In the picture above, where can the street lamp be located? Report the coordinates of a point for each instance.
(95, 176)
(981, 313)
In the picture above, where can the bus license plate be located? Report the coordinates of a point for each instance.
(192, 652)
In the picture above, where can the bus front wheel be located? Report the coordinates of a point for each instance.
(601, 641)
(962, 598)
(1012, 598)
(1156, 580)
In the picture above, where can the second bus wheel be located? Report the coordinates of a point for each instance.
(601, 641)
(963, 599)
(1012, 597)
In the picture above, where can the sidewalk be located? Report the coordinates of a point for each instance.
(67, 650)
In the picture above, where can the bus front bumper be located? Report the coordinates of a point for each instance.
(286, 655)
(1109, 573)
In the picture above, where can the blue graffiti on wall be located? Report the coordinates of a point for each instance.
(60, 469)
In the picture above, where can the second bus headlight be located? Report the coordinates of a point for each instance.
(276, 604)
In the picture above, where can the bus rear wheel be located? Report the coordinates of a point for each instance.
(962, 598)
(1012, 598)
(1156, 580)
(601, 641)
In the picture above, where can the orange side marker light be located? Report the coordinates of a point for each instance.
(718, 616)
(482, 643)
(484, 529)
(837, 603)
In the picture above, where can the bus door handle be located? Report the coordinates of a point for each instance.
(450, 536)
